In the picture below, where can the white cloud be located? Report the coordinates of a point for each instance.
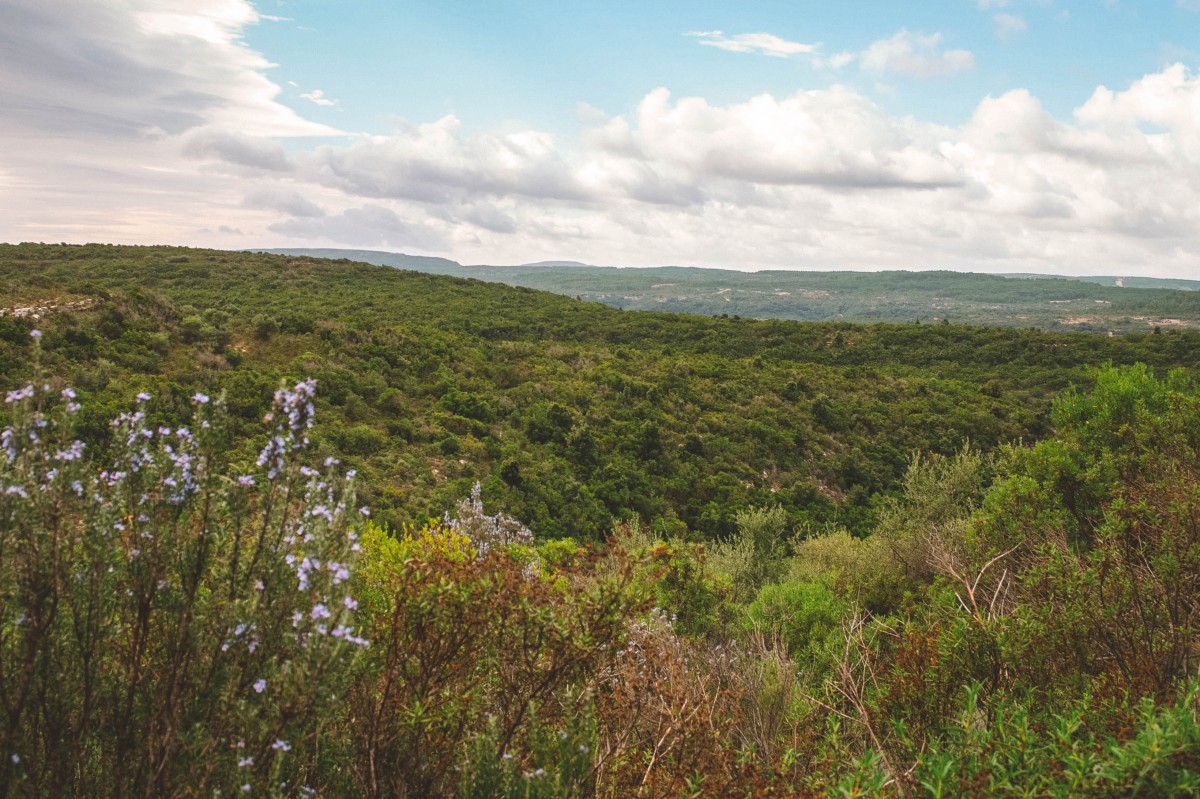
(1170, 99)
(179, 139)
(371, 225)
(819, 178)
(232, 147)
(915, 54)
(761, 43)
(284, 200)
(318, 97)
(432, 163)
(108, 106)
(1009, 25)
(136, 68)
(839, 60)
(986, 4)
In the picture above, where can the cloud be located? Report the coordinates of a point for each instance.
(915, 54)
(772, 142)
(123, 121)
(137, 68)
(433, 163)
(318, 97)
(1008, 25)
(285, 201)
(234, 147)
(760, 43)
(1170, 99)
(838, 60)
(823, 177)
(368, 225)
(152, 121)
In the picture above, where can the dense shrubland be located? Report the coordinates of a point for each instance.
(571, 415)
(185, 612)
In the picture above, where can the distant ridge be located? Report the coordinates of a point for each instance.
(1174, 284)
(1097, 304)
(418, 263)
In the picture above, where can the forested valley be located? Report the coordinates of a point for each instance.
(287, 526)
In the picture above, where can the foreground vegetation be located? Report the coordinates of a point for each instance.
(259, 534)
(175, 621)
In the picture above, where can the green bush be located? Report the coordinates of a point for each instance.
(805, 616)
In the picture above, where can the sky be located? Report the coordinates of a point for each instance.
(1054, 136)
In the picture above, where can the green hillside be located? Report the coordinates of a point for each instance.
(572, 414)
(1092, 304)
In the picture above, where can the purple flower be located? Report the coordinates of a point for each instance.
(143, 396)
(260, 685)
(281, 745)
(74, 453)
(199, 398)
(35, 334)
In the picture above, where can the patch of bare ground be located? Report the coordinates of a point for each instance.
(37, 311)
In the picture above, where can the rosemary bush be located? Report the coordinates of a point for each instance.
(169, 625)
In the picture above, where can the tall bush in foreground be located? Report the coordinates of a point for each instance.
(168, 626)
(481, 652)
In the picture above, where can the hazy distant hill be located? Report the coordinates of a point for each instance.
(1130, 282)
(1054, 303)
(417, 263)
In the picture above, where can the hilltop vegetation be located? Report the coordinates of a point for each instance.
(571, 414)
(1093, 304)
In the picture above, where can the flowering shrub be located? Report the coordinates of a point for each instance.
(485, 532)
(172, 624)
(168, 625)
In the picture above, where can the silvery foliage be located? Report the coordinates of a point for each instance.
(485, 532)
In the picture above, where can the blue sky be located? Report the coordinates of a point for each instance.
(1057, 136)
(493, 62)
